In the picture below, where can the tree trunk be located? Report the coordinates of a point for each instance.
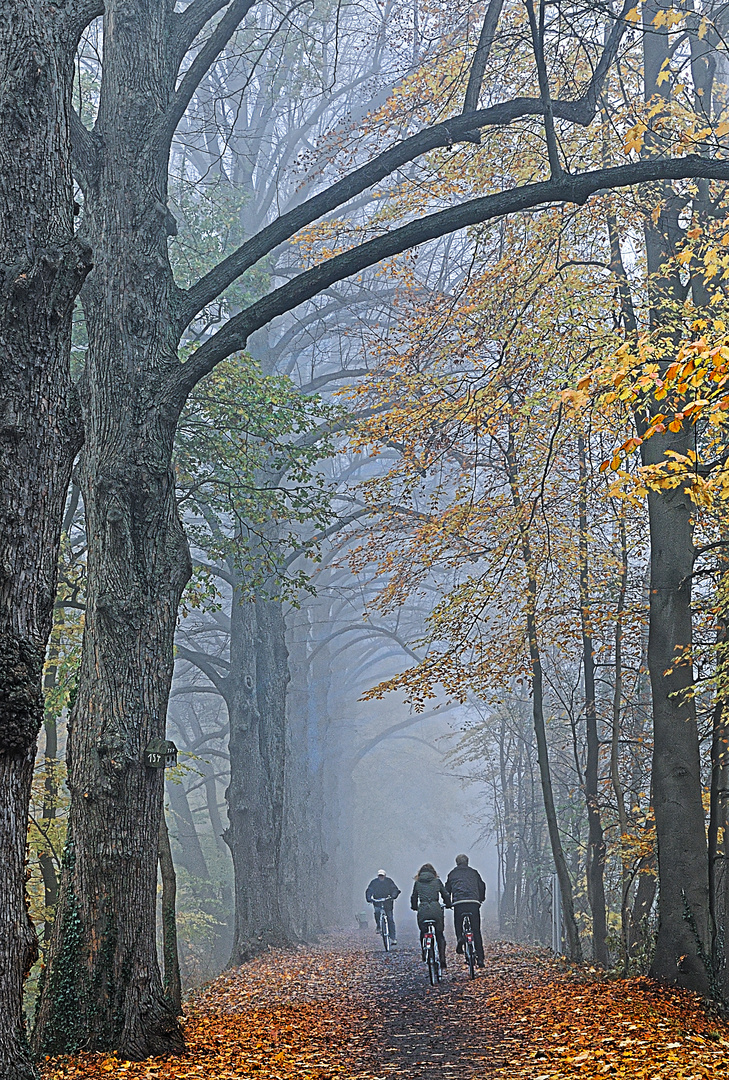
(42, 268)
(615, 778)
(718, 840)
(172, 982)
(45, 858)
(306, 801)
(104, 989)
(595, 838)
(683, 929)
(191, 853)
(256, 698)
(574, 947)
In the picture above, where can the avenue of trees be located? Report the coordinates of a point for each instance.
(476, 255)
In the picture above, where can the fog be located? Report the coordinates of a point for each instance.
(410, 804)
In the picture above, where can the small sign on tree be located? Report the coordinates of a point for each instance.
(160, 754)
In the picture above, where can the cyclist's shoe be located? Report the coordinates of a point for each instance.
(479, 963)
(459, 948)
(444, 969)
(392, 942)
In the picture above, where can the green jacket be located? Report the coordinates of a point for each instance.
(425, 898)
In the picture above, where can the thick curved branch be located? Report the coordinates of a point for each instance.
(481, 56)
(458, 128)
(208, 665)
(189, 24)
(324, 534)
(564, 189)
(334, 376)
(81, 14)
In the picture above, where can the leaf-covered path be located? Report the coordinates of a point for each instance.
(345, 1009)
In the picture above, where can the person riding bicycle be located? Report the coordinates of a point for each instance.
(466, 891)
(383, 888)
(427, 890)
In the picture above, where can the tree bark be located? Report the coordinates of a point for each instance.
(41, 269)
(683, 931)
(104, 989)
(50, 798)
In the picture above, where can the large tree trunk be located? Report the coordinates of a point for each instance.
(683, 941)
(256, 698)
(41, 271)
(104, 988)
(683, 930)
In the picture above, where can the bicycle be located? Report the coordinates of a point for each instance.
(431, 953)
(469, 949)
(384, 921)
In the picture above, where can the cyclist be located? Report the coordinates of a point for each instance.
(466, 891)
(383, 888)
(427, 890)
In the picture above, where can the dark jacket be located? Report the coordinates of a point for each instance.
(379, 888)
(465, 885)
(425, 897)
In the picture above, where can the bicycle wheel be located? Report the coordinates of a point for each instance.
(471, 959)
(385, 931)
(433, 965)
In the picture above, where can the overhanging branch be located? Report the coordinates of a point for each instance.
(580, 111)
(564, 189)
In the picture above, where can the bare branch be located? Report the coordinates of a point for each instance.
(401, 726)
(537, 32)
(334, 376)
(198, 69)
(208, 665)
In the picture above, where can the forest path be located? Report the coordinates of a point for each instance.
(431, 1033)
(345, 1009)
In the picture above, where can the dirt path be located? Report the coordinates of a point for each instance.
(447, 1030)
(345, 1009)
